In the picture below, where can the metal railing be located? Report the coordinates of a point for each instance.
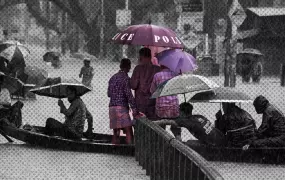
(166, 158)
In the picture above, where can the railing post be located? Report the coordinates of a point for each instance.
(282, 76)
(137, 141)
(176, 164)
(166, 158)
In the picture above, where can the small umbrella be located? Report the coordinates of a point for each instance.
(182, 84)
(11, 83)
(221, 95)
(177, 60)
(35, 75)
(251, 51)
(50, 56)
(11, 49)
(56, 87)
(148, 35)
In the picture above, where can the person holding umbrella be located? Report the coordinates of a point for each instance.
(75, 116)
(167, 106)
(140, 82)
(237, 124)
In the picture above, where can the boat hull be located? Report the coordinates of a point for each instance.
(228, 154)
(101, 143)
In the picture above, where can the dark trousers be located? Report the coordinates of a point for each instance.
(148, 110)
(54, 127)
(278, 141)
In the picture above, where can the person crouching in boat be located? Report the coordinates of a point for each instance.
(75, 117)
(271, 132)
(9, 114)
(237, 124)
(119, 92)
(199, 126)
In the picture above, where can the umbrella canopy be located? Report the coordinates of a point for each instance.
(11, 83)
(182, 84)
(148, 35)
(221, 95)
(56, 87)
(35, 75)
(50, 56)
(251, 51)
(177, 60)
(13, 49)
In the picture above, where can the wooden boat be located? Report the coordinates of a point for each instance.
(99, 143)
(230, 154)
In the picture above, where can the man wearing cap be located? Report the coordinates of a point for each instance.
(271, 132)
(87, 73)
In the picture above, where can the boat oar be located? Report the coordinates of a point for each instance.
(5, 136)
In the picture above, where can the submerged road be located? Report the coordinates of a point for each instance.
(20, 161)
(247, 171)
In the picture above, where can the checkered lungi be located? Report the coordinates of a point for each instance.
(119, 117)
(167, 111)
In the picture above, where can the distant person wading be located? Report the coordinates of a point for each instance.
(87, 73)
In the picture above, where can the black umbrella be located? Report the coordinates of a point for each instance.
(221, 95)
(56, 87)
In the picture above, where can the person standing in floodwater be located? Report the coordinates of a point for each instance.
(141, 81)
(87, 73)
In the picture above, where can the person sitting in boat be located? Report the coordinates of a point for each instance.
(198, 125)
(75, 117)
(237, 124)
(9, 114)
(271, 132)
(119, 92)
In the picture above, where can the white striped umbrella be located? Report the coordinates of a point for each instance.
(56, 87)
(10, 49)
(183, 84)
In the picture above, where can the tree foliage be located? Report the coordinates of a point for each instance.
(85, 13)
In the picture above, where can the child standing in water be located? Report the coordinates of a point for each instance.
(87, 72)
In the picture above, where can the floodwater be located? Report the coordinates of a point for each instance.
(24, 162)
(19, 161)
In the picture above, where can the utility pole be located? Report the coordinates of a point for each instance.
(124, 47)
(235, 17)
(102, 29)
(47, 9)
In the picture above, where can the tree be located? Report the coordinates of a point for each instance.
(85, 13)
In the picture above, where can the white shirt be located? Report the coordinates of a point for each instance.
(5, 98)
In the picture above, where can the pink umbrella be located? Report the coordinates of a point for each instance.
(148, 35)
(177, 60)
